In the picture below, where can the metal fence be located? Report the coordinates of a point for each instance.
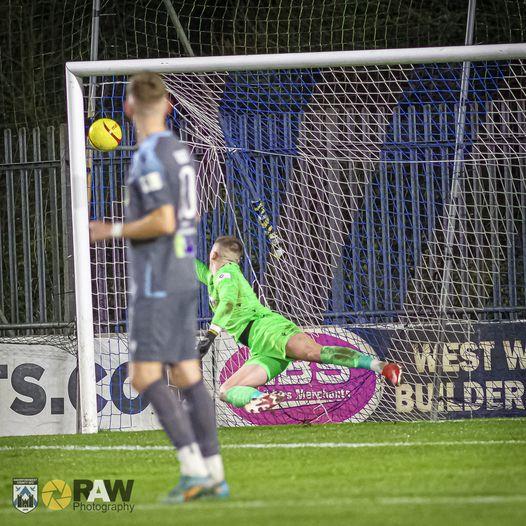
(36, 286)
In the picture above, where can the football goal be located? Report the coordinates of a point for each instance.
(381, 200)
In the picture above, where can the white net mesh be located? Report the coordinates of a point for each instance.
(341, 184)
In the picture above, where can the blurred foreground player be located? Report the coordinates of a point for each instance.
(160, 223)
(273, 340)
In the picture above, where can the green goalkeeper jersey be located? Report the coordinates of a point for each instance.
(232, 299)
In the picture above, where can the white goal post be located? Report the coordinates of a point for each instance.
(77, 72)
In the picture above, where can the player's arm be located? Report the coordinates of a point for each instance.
(202, 272)
(228, 293)
(160, 222)
(227, 296)
(153, 193)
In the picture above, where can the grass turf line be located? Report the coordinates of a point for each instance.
(432, 484)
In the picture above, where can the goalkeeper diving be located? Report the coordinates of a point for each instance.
(273, 340)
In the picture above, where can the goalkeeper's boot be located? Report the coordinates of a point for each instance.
(392, 373)
(265, 402)
(189, 488)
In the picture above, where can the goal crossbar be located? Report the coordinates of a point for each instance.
(375, 57)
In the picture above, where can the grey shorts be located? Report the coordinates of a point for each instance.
(164, 329)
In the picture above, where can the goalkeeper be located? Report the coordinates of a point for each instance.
(274, 341)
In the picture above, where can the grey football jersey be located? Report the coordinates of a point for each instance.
(162, 173)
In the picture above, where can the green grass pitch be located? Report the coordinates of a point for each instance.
(453, 473)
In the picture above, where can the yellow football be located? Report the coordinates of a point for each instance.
(105, 134)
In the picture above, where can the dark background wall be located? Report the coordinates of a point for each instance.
(38, 36)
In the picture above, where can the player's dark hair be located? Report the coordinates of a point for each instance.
(230, 244)
(146, 88)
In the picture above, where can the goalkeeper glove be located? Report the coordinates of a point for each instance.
(204, 345)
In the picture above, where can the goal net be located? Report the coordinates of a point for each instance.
(381, 207)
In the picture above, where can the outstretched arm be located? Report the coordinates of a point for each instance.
(228, 293)
(202, 271)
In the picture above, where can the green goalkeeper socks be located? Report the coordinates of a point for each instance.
(349, 358)
(241, 395)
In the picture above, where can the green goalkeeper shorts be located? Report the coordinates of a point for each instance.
(268, 341)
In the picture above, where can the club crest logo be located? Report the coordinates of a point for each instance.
(25, 494)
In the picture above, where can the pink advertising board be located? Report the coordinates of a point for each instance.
(317, 393)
